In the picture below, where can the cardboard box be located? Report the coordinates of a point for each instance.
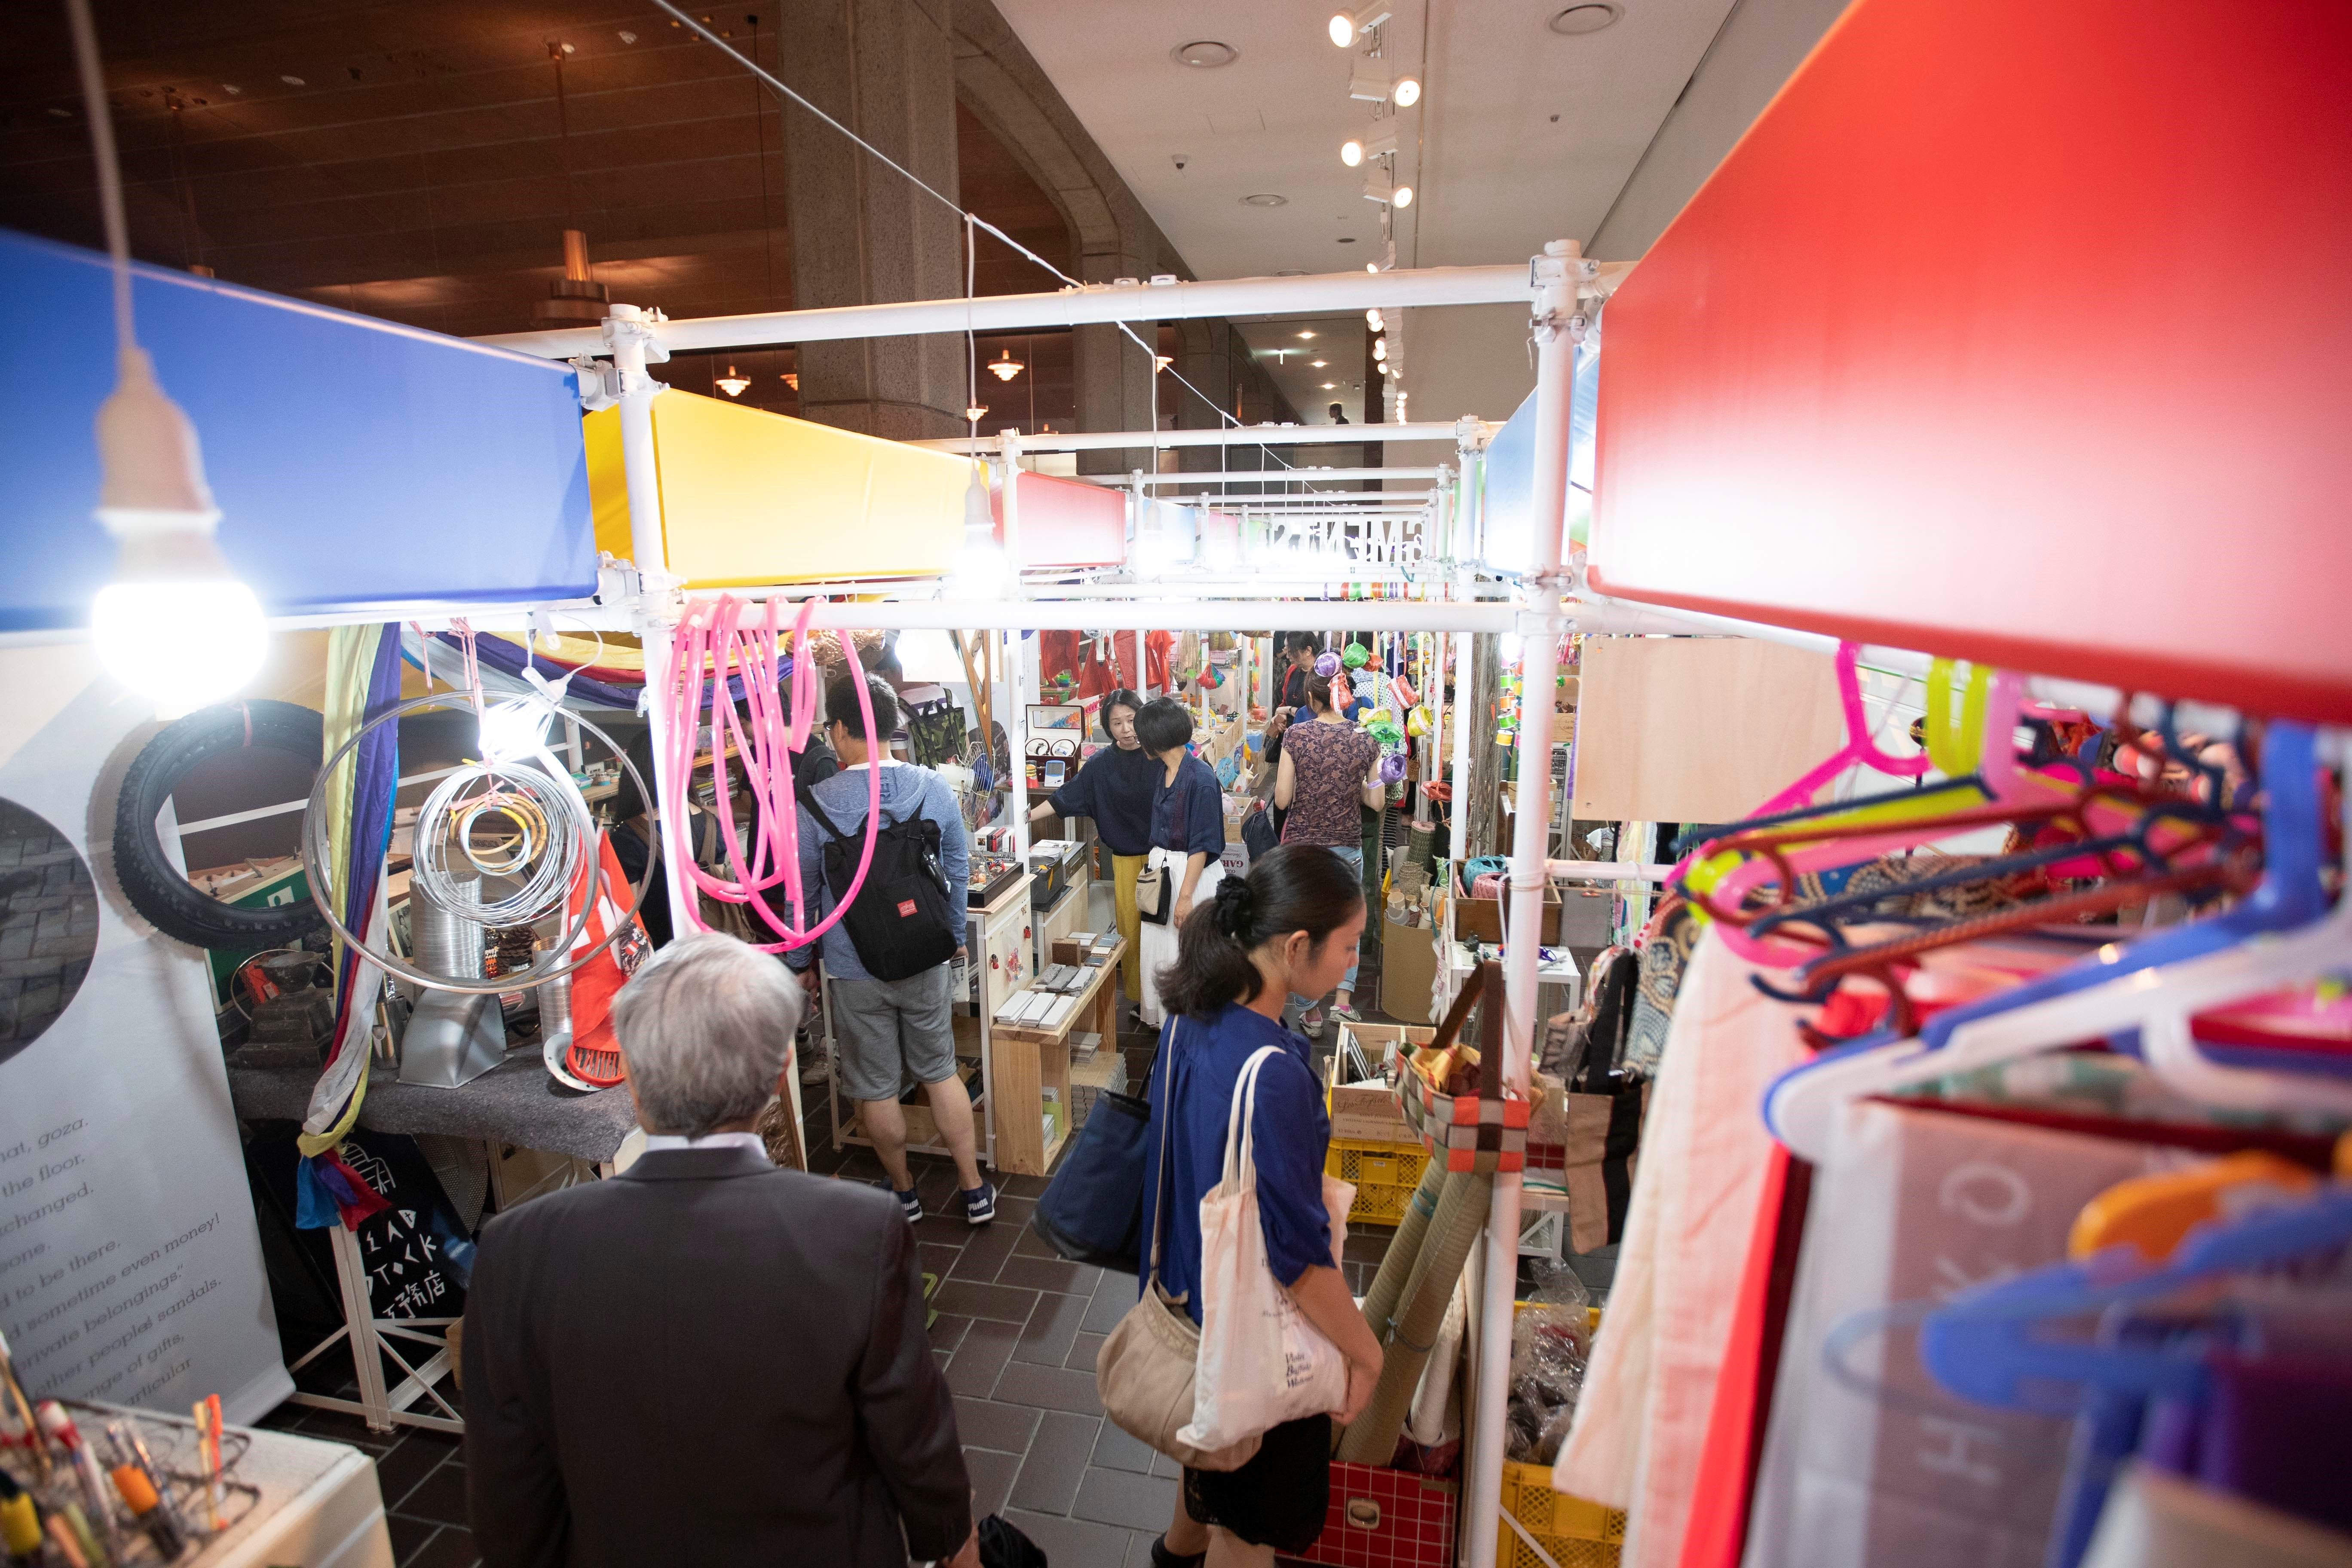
(1368, 1112)
(1408, 967)
(1481, 919)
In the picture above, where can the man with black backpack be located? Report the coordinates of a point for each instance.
(891, 954)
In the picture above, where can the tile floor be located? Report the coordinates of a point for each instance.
(1017, 1333)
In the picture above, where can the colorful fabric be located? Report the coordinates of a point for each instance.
(362, 684)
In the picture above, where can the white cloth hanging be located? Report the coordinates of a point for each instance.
(1156, 944)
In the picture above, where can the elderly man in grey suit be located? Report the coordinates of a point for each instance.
(707, 1359)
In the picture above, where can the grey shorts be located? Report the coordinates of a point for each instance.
(885, 1028)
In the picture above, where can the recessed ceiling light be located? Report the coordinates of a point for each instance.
(1305, 335)
(1318, 363)
(1330, 386)
(1265, 199)
(1204, 53)
(1590, 17)
(627, 37)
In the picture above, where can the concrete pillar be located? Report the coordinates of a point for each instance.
(861, 234)
(1205, 351)
(1113, 375)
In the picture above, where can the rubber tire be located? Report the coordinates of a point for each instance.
(155, 888)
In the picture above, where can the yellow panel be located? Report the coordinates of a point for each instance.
(608, 492)
(749, 497)
(752, 498)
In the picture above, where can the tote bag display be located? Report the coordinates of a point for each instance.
(1261, 1361)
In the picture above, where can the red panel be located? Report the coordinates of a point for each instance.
(1065, 523)
(1408, 1524)
(2019, 331)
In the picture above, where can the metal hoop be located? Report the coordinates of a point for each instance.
(315, 852)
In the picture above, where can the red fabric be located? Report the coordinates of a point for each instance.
(597, 982)
(1157, 646)
(1716, 1531)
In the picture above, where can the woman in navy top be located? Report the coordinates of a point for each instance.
(1116, 787)
(1290, 925)
(1188, 832)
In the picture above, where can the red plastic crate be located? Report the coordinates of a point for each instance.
(1382, 1517)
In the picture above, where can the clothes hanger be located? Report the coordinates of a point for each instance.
(2153, 1214)
(2114, 989)
(1988, 1345)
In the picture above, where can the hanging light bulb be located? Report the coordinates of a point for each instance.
(1351, 152)
(1374, 320)
(975, 412)
(1408, 91)
(732, 385)
(1161, 362)
(1005, 367)
(174, 625)
(979, 566)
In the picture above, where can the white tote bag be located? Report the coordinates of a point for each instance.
(1261, 1363)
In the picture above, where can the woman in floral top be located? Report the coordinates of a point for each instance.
(1321, 781)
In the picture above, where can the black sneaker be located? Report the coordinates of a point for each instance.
(1164, 1558)
(980, 1204)
(908, 1204)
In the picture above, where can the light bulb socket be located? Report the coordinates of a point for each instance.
(149, 460)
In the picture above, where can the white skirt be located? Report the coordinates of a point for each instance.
(1156, 944)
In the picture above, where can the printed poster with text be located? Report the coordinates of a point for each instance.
(130, 1269)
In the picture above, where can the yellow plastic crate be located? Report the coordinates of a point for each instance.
(1385, 1176)
(1573, 1532)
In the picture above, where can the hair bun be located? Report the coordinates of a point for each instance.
(1234, 905)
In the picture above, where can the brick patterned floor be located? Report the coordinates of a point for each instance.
(1017, 1333)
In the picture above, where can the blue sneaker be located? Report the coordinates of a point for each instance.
(908, 1204)
(980, 1204)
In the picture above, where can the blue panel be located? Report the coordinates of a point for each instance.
(355, 462)
(1511, 459)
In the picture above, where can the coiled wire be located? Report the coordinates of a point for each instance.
(550, 832)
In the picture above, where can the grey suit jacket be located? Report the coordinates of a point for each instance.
(707, 1361)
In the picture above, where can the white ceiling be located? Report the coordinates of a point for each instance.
(1522, 136)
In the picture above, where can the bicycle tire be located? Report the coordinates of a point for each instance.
(155, 886)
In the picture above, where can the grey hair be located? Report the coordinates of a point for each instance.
(706, 1025)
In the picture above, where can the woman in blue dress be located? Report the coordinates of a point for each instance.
(1291, 925)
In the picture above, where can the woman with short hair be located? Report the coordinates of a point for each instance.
(1188, 832)
(1115, 787)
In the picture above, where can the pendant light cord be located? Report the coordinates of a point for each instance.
(110, 169)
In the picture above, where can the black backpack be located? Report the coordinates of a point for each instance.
(902, 920)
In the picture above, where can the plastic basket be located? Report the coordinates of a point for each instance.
(1570, 1531)
(1385, 1176)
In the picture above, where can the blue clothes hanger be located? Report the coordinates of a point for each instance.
(1799, 1106)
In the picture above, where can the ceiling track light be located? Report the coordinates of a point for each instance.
(1346, 27)
(1408, 91)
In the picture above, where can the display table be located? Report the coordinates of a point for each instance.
(1026, 1062)
(319, 1502)
(514, 1104)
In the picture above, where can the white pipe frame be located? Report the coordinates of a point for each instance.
(1329, 293)
(1558, 326)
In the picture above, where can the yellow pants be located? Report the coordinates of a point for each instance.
(1124, 869)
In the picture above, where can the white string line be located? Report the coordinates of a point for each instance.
(110, 169)
(971, 219)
